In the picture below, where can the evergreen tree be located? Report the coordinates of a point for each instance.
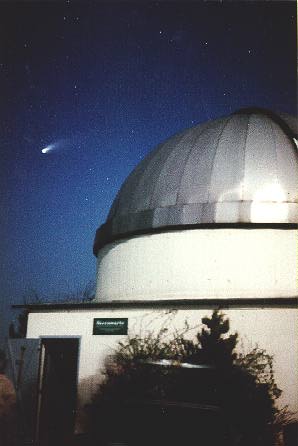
(214, 348)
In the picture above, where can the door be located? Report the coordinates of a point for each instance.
(58, 391)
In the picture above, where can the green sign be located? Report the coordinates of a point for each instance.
(110, 326)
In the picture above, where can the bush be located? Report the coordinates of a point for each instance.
(220, 398)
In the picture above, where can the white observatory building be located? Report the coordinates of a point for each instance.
(207, 220)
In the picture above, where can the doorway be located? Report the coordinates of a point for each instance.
(58, 392)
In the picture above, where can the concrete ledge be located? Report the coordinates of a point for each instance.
(282, 302)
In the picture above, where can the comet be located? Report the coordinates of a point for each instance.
(63, 144)
(48, 148)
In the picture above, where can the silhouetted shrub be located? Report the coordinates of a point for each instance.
(168, 391)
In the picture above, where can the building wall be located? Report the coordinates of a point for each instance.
(275, 330)
(200, 263)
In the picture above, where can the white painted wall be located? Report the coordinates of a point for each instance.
(209, 263)
(275, 330)
(217, 263)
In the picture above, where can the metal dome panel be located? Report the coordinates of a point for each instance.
(238, 169)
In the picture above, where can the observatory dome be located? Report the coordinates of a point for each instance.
(242, 168)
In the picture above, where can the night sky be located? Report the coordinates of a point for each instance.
(98, 85)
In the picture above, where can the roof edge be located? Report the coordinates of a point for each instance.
(282, 302)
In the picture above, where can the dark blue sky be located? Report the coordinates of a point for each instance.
(103, 83)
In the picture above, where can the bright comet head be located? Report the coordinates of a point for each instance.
(47, 149)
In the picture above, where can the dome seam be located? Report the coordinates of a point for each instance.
(245, 157)
(204, 129)
(215, 152)
(275, 148)
(162, 168)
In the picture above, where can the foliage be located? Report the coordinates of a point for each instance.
(241, 385)
(83, 294)
(260, 365)
(21, 329)
(152, 346)
(213, 348)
